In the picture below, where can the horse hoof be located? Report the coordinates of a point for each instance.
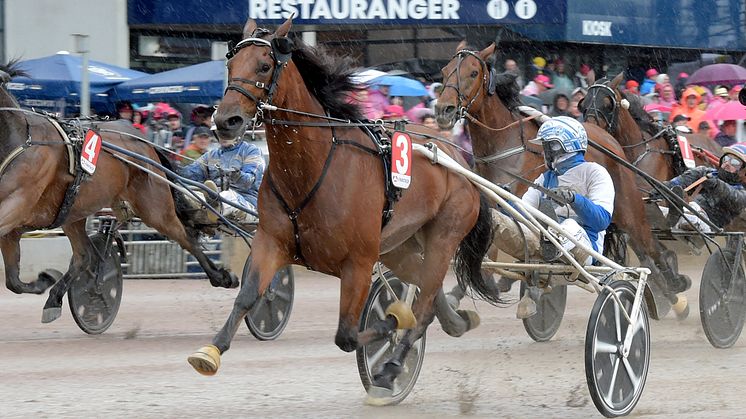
(471, 317)
(681, 308)
(379, 396)
(233, 280)
(526, 307)
(51, 314)
(403, 314)
(206, 360)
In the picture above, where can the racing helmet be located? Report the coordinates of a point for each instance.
(567, 131)
(737, 150)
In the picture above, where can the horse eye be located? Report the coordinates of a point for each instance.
(474, 74)
(265, 68)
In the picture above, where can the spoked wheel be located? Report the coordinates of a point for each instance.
(721, 299)
(616, 373)
(371, 357)
(94, 300)
(550, 308)
(271, 313)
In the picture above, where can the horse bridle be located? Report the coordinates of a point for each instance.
(463, 110)
(280, 59)
(595, 92)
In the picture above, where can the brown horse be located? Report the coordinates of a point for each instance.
(323, 196)
(33, 183)
(500, 137)
(647, 145)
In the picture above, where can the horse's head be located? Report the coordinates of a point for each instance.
(601, 106)
(466, 80)
(254, 68)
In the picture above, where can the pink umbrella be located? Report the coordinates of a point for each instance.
(718, 74)
(657, 107)
(728, 111)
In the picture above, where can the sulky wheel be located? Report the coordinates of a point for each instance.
(271, 313)
(616, 373)
(721, 299)
(371, 357)
(550, 308)
(94, 300)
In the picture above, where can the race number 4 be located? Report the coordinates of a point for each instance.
(91, 150)
(401, 160)
(686, 152)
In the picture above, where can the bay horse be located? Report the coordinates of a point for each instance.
(645, 143)
(323, 196)
(34, 179)
(499, 134)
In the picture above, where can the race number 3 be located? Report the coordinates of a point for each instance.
(401, 160)
(91, 150)
(686, 152)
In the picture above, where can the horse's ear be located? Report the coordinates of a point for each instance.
(615, 82)
(502, 79)
(283, 45)
(487, 52)
(284, 29)
(249, 28)
(461, 45)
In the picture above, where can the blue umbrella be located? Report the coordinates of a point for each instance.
(54, 81)
(400, 86)
(199, 83)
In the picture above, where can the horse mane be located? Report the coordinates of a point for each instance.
(328, 78)
(12, 69)
(641, 117)
(506, 88)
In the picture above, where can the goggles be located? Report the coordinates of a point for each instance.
(732, 160)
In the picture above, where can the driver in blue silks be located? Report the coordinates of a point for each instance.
(241, 167)
(585, 187)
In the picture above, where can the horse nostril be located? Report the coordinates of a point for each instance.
(234, 122)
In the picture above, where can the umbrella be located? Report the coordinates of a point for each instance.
(718, 74)
(199, 83)
(401, 86)
(54, 81)
(730, 110)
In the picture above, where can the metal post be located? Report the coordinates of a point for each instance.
(219, 49)
(81, 47)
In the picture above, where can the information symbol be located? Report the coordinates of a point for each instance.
(525, 9)
(498, 9)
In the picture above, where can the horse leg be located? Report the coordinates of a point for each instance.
(354, 288)
(10, 244)
(266, 260)
(168, 224)
(80, 262)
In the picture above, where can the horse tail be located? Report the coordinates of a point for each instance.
(470, 253)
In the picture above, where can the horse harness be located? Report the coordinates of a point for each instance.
(281, 52)
(72, 138)
(611, 119)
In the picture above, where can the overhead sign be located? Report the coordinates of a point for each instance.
(402, 11)
(349, 12)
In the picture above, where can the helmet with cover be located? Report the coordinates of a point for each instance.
(559, 136)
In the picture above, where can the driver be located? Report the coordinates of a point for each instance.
(585, 188)
(722, 196)
(236, 167)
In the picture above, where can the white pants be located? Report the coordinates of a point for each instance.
(510, 239)
(236, 198)
(684, 222)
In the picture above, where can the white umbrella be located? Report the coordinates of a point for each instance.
(365, 76)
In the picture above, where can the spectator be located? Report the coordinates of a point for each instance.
(531, 92)
(538, 65)
(727, 134)
(667, 97)
(632, 87)
(125, 111)
(689, 106)
(648, 85)
(434, 91)
(200, 117)
(680, 122)
(200, 143)
(575, 111)
(662, 79)
(578, 94)
(560, 79)
(680, 84)
(560, 105)
(177, 132)
(430, 122)
(512, 67)
(137, 121)
(379, 100)
(585, 76)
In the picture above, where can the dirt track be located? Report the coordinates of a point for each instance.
(138, 368)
